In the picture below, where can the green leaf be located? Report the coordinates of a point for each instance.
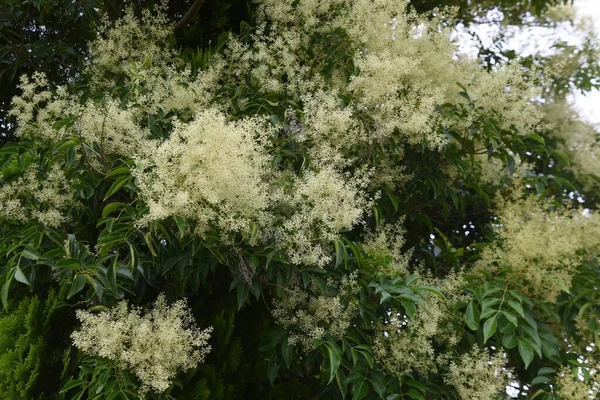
(335, 358)
(272, 370)
(505, 326)
(113, 395)
(433, 290)
(5, 289)
(414, 395)
(537, 138)
(472, 317)
(116, 186)
(65, 143)
(354, 354)
(272, 340)
(148, 241)
(147, 62)
(409, 308)
(517, 307)
(110, 207)
(342, 382)
(79, 395)
(31, 254)
(71, 384)
(540, 188)
(489, 328)
(384, 296)
(526, 352)
(360, 389)
(487, 312)
(70, 156)
(169, 264)
(180, 225)
(274, 119)
(98, 289)
(97, 308)
(320, 283)
(118, 171)
(366, 353)
(511, 318)
(562, 157)
(394, 199)
(540, 392)
(20, 276)
(242, 294)
(132, 256)
(377, 380)
(465, 95)
(509, 341)
(487, 309)
(63, 122)
(111, 275)
(489, 302)
(340, 252)
(540, 379)
(286, 352)
(489, 291)
(77, 285)
(546, 371)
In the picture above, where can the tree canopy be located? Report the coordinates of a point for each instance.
(294, 200)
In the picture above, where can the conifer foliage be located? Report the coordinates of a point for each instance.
(332, 202)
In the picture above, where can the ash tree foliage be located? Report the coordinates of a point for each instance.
(329, 202)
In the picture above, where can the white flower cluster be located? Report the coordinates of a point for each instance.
(44, 196)
(478, 376)
(154, 345)
(541, 245)
(212, 170)
(309, 316)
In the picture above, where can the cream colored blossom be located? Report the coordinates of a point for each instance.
(208, 171)
(309, 315)
(154, 346)
(43, 196)
(508, 94)
(389, 241)
(408, 65)
(214, 167)
(37, 108)
(578, 139)
(478, 376)
(130, 43)
(571, 386)
(322, 204)
(406, 345)
(539, 245)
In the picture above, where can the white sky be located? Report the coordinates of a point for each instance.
(589, 106)
(539, 40)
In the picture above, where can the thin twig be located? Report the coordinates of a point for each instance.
(188, 15)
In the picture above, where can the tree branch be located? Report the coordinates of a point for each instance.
(188, 15)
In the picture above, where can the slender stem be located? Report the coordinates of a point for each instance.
(502, 301)
(188, 15)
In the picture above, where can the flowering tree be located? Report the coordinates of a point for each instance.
(351, 208)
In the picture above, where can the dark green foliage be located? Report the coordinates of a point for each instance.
(469, 11)
(29, 356)
(41, 35)
(52, 36)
